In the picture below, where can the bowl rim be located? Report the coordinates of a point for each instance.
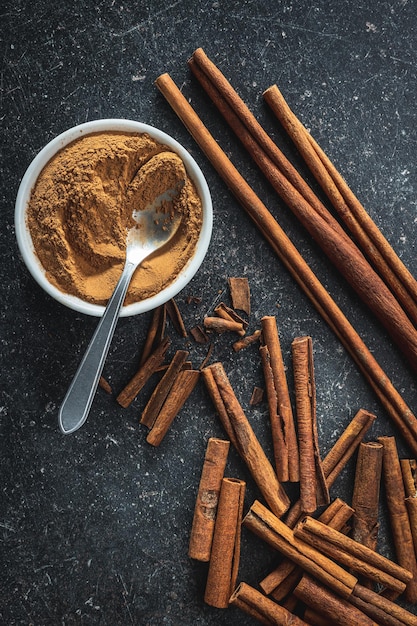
(28, 181)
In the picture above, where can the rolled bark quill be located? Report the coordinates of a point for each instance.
(365, 499)
(243, 438)
(283, 432)
(409, 473)
(348, 207)
(202, 529)
(313, 488)
(400, 523)
(319, 222)
(389, 397)
(225, 551)
(266, 611)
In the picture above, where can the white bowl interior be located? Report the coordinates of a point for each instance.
(24, 239)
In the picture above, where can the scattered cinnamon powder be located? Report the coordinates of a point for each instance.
(82, 207)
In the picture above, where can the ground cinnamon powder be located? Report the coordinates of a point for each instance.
(81, 209)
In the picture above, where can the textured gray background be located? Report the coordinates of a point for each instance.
(95, 526)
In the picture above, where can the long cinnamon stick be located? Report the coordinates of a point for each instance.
(392, 401)
(284, 436)
(323, 227)
(225, 551)
(262, 608)
(347, 205)
(244, 439)
(145, 371)
(409, 473)
(336, 610)
(201, 536)
(313, 488)
(382, 610)
(400, 523)
(181, 389)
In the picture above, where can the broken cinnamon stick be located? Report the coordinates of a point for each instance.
(409, 473)
(129, 393)
(243, 437)
(255, 604)
(313, 487)
(104, 384)
(224, 311)
(202, 530)
(176, 317)
(400, 523)
(181, 389)
(155, 332)
(284, 437)
(161, 391)
(221, 325)
(240, 294)
(389, 397)
(225, 551)
(240, 344)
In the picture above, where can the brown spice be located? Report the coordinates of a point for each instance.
(82, 206)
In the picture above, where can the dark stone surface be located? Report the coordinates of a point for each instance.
(95, 526)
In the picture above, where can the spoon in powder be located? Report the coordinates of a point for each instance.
(153, 229)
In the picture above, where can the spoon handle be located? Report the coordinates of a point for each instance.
(77, 402)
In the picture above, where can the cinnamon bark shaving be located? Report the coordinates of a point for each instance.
(240, 294)
(176, 317)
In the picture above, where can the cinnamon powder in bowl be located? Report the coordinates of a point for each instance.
(76, 203)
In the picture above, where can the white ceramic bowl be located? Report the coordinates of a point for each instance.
(24, 239)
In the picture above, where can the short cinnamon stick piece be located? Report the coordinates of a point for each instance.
(338, 456)
(240, 294)
(104, 384)
(202, 529)
(240, 344)
(332, 608)
(221, 325)
(254, 603)
(129, 393)
(268, 527)
(181, 389)
(284, 437)
(350, 553)
(244, 438)
(400, 523)
(365, 499)
(225, 551)
(313, 487)
(161, 391)
(224, 311)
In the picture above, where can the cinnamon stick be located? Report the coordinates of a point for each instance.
(243, 437)
(176, 317)
(202, 530)
(389, 397)
(336, 610)
(225, 551)
(221, 325)
(400, 523)
(227, 313)
(181, 389)
(284, 437)
(382, 610)
(240, 294)
(339, 455)
(283, 579)
(145, 371)
(409, 473)
(321, 225)
(365, 499)
(268, 527)
(161, 391)
(254, 603)
(350, 210)
(155, 332)
(313, 487)
(352, 554)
